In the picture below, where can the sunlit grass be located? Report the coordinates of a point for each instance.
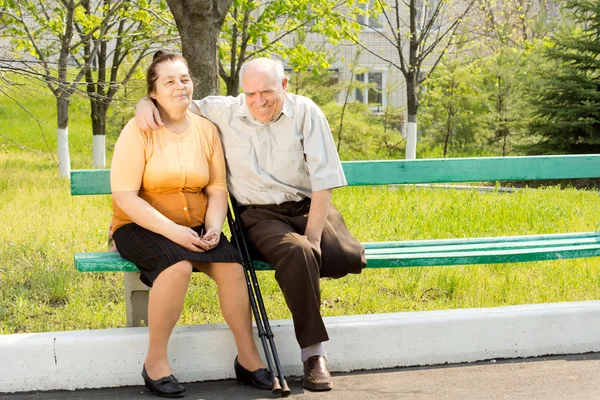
(43, 225)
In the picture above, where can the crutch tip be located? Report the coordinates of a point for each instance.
(276, 389)
(285, 390)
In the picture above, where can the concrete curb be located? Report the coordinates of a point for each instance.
(113, 357)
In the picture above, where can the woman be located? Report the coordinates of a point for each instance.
(169, 205)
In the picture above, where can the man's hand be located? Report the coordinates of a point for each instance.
(317, 215)
(147, 117)
(316, 242)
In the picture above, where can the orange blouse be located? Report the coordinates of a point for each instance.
(169, 170)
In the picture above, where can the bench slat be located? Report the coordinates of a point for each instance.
(489, 250)
(490, 246)
(477, 169)
(482, 240)
(90, 181)
(446, 170)
(103, 262)
(481, 257)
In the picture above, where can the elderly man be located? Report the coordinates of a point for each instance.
(282, 167)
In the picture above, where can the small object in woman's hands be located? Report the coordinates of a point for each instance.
(210, 238)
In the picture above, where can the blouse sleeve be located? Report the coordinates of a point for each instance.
(216, 161)
(129, 161)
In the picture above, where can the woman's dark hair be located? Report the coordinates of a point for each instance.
(159, 57)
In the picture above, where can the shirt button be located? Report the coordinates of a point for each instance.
(184, 208)
(264, 143)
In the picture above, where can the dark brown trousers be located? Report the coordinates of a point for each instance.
(276, 235)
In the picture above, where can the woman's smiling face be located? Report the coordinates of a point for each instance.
(174, 88)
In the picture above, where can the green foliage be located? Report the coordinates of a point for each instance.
(511, 74)
(480, 106)
(31, 124)
(108, 41)
(568, 103)
(131, 30)
(363, 135)
(513, 23)
(454, 108)
(321, 88)
(255, 28)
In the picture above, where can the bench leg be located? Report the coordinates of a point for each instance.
(136, 300)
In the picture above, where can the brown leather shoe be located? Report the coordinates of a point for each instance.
(316, 374)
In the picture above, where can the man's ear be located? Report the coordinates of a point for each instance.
(284, 83)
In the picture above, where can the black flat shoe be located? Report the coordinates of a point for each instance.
(163, 387)
(261, 378)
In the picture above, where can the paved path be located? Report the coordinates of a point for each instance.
(548, 378)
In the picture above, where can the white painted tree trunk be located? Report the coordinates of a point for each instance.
(99, 151)
(411, 140)
(64, 160)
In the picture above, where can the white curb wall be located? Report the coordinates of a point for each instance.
(114, 357)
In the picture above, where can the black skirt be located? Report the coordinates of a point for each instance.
(153, 253)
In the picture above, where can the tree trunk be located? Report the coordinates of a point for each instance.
(412, 106)
(233, 85)
(62, 139)
(63, 93)
(199, 23)
(447, 135)
(99, 109)
(449, 120)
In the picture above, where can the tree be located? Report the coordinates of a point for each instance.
(454, 107)
(513, 23)
(510, 76)
(199, 23)
(266, 27)
(508, 36)
(418, 43)
(95, 40)
(568, 103)
(12, 74)
(122, 42)
(46, 30)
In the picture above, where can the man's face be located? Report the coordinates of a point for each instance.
(264, 94)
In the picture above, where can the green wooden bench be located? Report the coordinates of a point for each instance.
(410, 253)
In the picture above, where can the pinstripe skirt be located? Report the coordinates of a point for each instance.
(153, 253)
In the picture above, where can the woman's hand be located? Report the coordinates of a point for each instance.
(211, 238)
(189, 239)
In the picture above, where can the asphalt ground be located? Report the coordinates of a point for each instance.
(549, 378)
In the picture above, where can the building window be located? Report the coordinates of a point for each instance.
(372, 93)
(371, 18)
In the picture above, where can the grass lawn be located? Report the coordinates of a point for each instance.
(42, 225)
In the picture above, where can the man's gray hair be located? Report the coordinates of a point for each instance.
(273, 67)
